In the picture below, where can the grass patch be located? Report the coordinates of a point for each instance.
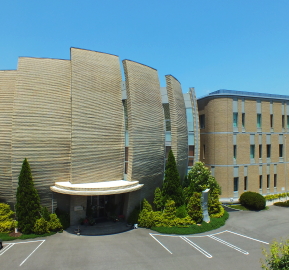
(192, 229)
(241, 207)
(7, 237)
(282, 204)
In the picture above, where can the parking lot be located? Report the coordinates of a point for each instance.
(237, 245)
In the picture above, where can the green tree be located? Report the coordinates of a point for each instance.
(194, 207)
(278, 256)
(172, 188)
(158, 199)
(28, 202)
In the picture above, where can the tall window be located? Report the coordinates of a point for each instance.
(287, 121)
(202, 121)
(245, 183)
(191, 155)
(260, 181)
(235, 151)
(275, 180)
(280, 150)
(243, 120)
(283, 121)
(259, 120)
(204, 151)
(260, 150)
(235, 119)
(268, 180)
(236, 183)
(268, 150)
(126, 160)
(252, 151)
(271, 120)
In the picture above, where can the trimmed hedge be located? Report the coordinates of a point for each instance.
(193, 229)
(253, 200)
(283, 204)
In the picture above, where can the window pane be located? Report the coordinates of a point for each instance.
(271, 120)
(245, 183)
(126, 154)
(236, 183)
(191, 140)
(280, 150)
(268, 150)
(275, 180)
(191, 150)
(259, 120)
(235, 151)
(260, 150)
(260, 181)
(202, 121)
(268, 181)
(235, 119)
(243, 119)
(191, 162)
(252, 151)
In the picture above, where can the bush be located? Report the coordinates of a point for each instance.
(64, 218)
(214, 205)
(194, 208)
(220, 214)
(7, 224)
(181, 212)
(253, 200)
(283, 204)
(278, 257)
(54, 223)
(146, 215)
(158, 199)
(134, 215)
(45, 213)
(41, 226)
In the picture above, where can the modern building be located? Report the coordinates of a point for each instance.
(91, 137)
(244, 141)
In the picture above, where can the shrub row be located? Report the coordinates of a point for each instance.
(276, 196)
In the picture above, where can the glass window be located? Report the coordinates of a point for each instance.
(126, 154)
(191, 150)
(235, 119)
(287, 121)
(271, 120)
(252, 151)
(191, 139)
(268, 181)
(259, 120)
(245, 182)
(204, 151)
(202, 121)
(280, 150)
(125, 167)
(168, 149)
(243, 120)
(283, 121)
(275, 180)
(235, 151)
(260, 181)
(168, 136)
(236, 183)
(191, 161)
(268, 150)
(260, 150)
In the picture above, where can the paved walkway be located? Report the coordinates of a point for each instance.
(101, 228)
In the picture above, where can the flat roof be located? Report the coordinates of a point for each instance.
(225, 92)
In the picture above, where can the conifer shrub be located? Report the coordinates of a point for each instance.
(158, 199)
(253, 200)
(54, 223)
(214, 205)
(146, 215)
(194, 208)
(45, 213)
(41, 226)
(7, 224)
(27, 200)
(181, 212)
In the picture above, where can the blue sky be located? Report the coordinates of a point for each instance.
(206, 44)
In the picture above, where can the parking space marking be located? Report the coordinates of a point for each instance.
(160, 243)
(228, 244)
(211, 236)
(191, 243)
(10, 245)
(248, 237)
(42, 241)
(6, 248)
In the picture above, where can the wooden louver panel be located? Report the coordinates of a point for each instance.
(7, 88)
(146, 126)
(179, 131)
(42, 123)
(97, 117)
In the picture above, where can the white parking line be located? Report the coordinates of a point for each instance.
(42, 241)
(208, 255)
(229, 245)
(6, 248)
(249, 237)
(160, 243)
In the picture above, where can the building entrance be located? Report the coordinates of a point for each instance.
(104, 207)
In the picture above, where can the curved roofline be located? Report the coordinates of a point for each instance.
(139, 63)
(173, 77)
(43, 58)
(225, 92)
(93, 51)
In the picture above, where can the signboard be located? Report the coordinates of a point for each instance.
(204, 201)
(78, 208)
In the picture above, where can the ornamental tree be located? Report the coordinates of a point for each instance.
(172, 188)
(27, 200)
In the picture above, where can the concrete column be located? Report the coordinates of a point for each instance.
(77, 208)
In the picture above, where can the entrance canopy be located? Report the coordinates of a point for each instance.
(101, 188)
